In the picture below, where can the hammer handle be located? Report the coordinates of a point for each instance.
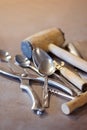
(72, 105)
(68, 57)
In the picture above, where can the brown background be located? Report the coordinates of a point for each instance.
(18, 20)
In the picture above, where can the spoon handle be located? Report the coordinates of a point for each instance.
(35, 70)
(45, 95)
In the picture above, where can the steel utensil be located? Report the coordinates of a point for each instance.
(44, 66)
(6, 57)
(25, 63)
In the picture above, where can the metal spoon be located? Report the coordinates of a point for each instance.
(6, 57)
(46, 67)
(25, 63)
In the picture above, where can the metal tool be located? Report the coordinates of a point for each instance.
(6, 57)
(25, 63)
(44, 66)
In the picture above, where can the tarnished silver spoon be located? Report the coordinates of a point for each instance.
(25, 63)
(6, 57)
(45, 66)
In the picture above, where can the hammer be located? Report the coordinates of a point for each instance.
(50, 40)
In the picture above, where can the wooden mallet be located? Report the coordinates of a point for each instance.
(50, 40)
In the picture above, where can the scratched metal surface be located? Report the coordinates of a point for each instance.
(19, 19)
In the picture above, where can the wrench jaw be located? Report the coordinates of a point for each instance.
(36, 105)
(37, 109)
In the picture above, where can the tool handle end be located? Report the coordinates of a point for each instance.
(72, 105)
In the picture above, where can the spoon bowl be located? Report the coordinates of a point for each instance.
(5, 56)
(43, 62)
(22, 60)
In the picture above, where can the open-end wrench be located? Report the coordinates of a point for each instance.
(24, 85)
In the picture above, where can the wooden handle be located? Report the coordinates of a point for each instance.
(44, 38)
(74, 78)
(68, 57)
(70, 106)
